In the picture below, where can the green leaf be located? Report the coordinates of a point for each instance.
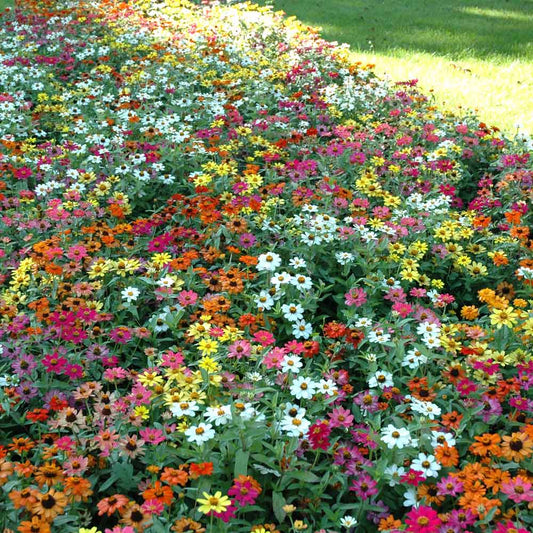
(278, 501)
(241, 463)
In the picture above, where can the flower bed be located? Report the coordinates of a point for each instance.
(248, 286)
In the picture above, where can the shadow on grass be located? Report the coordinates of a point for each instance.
(479, 29)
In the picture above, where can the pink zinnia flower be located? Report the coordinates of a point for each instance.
(122, 334)
(153, 507)
(186, 298)
(341, 417)
(240, 349)
(274, 358)
(423, 520)
(264, 338)
(152, 435)
(364, 486)
(355, 297)
(518, 489)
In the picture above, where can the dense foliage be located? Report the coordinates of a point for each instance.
(248, 286)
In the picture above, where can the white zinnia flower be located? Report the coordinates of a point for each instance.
(427, 464)
(180, 409)
(303, 387)
(348, 521)
(219, 415)
(292, 312)
(381, 379)
(295, 426)
(302, 329)
(291, 363)
(269, 261)
(200, 433)
(130, 294)
(395, 437)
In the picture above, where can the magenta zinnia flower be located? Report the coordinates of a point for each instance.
(364, 486)
(245, 490)
(423, 520)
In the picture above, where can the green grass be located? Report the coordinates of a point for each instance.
(475, 54)
(6, 3)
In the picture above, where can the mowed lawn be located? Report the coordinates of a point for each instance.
(6, 3)
(477, 54)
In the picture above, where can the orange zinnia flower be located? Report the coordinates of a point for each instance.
(35, 525)
(173, 476)
(50, 504)
(494, 479)
(159, 492)
(451, 420)
(111, 504)
(22, 498)
(200, 469)
(517, 447)
(389, 523)
(49, 474)
(486, 444)
(78, 488)
(447, 455)
(21, 444)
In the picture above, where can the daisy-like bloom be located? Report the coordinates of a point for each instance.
(427, 409)
(219, 415)
(35, 525)
(294, 426)
(291, 363)
(301, 282)
(395, 437)
(297, 262)
(364, 486)
(348, 521)
(450, 486)
(426, 464)
(130, 294)
(303, 387)
(438, 438)
(503, 317)
(280, 278)
(381, 379)
(200, 434)
(423, 520)
(50, 504)
(269, 262)
(516, 447)
(341, 417)
(519, 489)
(264, 301)
(174, 476)
(186, 525)
(302, 329)
(245, 490)
(215, 502)
(134, 516)
(486, 444)
(111, 504)
(132, 446)
(292, 312)
(180, 409)
(327, 386)
(394, 473)
(78, 488)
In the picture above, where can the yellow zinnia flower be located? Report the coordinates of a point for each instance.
(503, 317)
(217, 503)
